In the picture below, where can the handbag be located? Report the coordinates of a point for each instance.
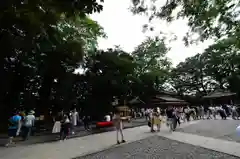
(149, 124)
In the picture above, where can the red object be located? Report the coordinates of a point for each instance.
(104, 124)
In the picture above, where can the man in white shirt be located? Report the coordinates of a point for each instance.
(28, 124)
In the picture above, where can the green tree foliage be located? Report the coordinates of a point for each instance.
(109, 74)
(152, 64)
(43, 43)
(216, 68)
(37, 47)
(210, 19)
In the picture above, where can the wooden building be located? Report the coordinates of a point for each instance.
(220, 97)
(164, 101)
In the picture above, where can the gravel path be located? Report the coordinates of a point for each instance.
(157, 147)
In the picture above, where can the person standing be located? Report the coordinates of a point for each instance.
(14, 128)
(187, 113)
(118, 125)
(234, 113)
(86, 120)
(158, 119)
(178, 116)
(75, 119)
(209, 113)
(28, 124)
(170, 118)
(202, 112)
(142, 112)
(65, 127)
(57, 123)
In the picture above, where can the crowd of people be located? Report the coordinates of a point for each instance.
(21, 124)
(176, 115)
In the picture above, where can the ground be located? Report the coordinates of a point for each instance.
(157, 147)
(79, 132)
(201, 139)
(220, 129)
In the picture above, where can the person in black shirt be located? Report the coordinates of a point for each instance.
(86, 120)
(170, 117)
(169, 113)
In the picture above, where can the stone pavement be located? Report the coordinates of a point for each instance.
(219, 129)
(79, 132)
(224, 146)
(74, 147)
(151, 145)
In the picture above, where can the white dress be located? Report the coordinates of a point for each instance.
(56, 127)
(74, 118)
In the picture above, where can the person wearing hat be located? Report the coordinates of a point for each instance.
(28, 124)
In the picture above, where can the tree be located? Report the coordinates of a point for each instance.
(73, 39)
(222, 62)
(189, 77)
(216, 68)
(152, 64)
(108, 74)
(209, 19)
(35, 51)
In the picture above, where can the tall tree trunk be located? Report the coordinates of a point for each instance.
(45, 95)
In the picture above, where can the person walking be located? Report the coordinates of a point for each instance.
(119, 126)
(13, 128)
(65, 128)
(28, 124)
(170, 118)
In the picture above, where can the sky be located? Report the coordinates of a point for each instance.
(125, 29)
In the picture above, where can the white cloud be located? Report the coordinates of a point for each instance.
(125, 29)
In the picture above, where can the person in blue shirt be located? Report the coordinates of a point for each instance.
(14, 127)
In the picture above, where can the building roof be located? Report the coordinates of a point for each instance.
(136, 100)
(219, 94)
(169, 99)
(122, 107)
